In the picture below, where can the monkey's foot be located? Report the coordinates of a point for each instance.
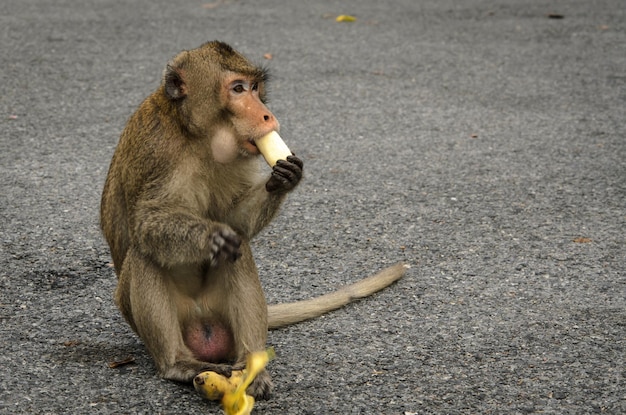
(261, 387)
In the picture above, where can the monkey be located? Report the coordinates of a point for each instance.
(183, 197)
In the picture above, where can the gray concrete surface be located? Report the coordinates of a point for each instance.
(477, 140)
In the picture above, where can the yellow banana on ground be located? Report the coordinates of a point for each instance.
(232, 391)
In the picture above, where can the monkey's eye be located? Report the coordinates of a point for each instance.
(240, 86)
(255, 86)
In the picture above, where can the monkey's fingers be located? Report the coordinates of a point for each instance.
(293, 159)
(223, 369)
(285, 176)
(277, 183)
(289, 170)
(225, 244)
(232, 245)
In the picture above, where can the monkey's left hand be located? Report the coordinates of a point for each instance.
(286, 175)
(224, 245)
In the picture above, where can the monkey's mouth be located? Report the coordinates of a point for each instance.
(250, 146)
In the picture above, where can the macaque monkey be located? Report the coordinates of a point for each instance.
(184, 196)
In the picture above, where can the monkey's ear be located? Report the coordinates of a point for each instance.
(175, 87)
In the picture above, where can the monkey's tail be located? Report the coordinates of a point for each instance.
(280, 315)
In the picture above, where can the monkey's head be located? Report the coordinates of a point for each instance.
(216, 92)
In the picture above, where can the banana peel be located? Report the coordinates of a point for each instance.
(232, 391)
(213, 386)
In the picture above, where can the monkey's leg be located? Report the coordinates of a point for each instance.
(122, 298)
(248, 313)
(152, 306)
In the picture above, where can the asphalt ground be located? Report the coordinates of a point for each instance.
(480, 141)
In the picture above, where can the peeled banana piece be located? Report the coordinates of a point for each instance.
(273, 148)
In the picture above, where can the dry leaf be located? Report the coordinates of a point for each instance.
(70, 343)
(268, 56)
(582, 240)
(119, 363)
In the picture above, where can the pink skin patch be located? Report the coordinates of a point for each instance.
(250, 147)
(210, 342)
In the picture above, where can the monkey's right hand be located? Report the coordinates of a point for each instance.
(286, 175)
(224, 245)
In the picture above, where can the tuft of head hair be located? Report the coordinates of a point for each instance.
(231, 60)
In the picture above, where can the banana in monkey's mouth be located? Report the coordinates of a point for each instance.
(273, 148)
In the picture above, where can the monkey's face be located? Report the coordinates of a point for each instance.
(249, 116)
(245, 118)
(220, 96)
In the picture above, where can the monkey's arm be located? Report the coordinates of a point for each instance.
(255, 211)
(171, 235)
(260, 204)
